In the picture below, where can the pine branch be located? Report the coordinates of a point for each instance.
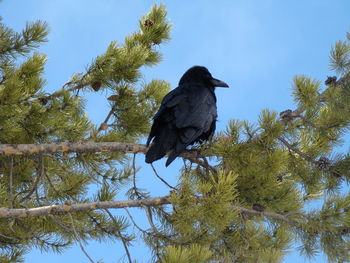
(289, 115)
(64, 209)
(30, 149)
(63, 90)
(296, 150)
(147, 202)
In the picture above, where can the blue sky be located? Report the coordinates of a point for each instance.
(255, 46)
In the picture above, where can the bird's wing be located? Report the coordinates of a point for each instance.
(196, 111)
(190, 110)
(194, 116)
(194, 120)
(170, 100)
(163, 114)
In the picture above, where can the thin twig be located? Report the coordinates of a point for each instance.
(63, 90)
(107, 119)
(11, 199)
(273, 215)
(187, 169)
(114, 109)
(133, 221)
(78, 239)
(93, 168)
(58, 222)
(81, 84)
(204, 164)
(120, 235)
(134, 177)
(38, 197)
(296, 150)
(51, 184)
(37, 179)
(207, 166)
(150, 220)
(134, 171)
(156, 234)
(8, 237)
(160, 178)
(144, 231)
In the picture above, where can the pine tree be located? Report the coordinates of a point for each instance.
(247, 203)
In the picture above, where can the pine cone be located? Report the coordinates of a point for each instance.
(148, 23)
(324, 163)
(331, 80)
(103, 126)
(44, 100)
(96, 85)
(258, 207)
(287, 116)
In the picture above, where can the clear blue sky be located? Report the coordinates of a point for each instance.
(255, 46)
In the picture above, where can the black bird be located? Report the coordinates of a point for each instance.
(187, 115)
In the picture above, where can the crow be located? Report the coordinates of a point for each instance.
(186, 115)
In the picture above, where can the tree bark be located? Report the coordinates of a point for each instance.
(157, 201)
(64, 209)
(29, 149)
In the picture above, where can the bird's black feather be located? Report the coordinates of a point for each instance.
(187, 115)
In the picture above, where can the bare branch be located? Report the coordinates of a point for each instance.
(29, 149)
(64, 209)
(156, 201)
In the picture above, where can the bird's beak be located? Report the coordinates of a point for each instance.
(218, 83)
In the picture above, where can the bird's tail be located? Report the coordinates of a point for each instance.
(171, 158)
(162, 144)
(154, 153)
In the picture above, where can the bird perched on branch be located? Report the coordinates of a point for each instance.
(187, 115)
